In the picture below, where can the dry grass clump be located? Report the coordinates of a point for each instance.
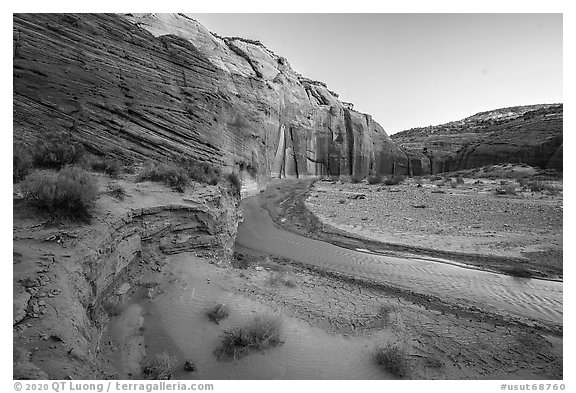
(21, 164)
(106, 165)
(218, 313)
(508, 189)
(116, 191)
(69, 193)
(392, 359)
(161, 368)
(173, 176)
(262, 333)
(56, 150)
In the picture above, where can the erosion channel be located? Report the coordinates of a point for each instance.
(337, 306)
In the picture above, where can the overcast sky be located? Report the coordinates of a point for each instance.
(411, 70)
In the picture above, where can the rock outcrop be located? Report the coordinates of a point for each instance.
(68, 279)
(526, 134)
(156, 86)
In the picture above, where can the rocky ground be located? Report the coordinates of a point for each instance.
(451, 218)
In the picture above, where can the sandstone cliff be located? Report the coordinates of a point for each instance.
(155, 86)
(525, 134)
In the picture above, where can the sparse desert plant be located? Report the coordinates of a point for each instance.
(519, 271)
(384, 313)
(392, 359)
(459, 180)
(234, 183)
(355, 179)
(201, 172)
(508, 189)
(262, 333)
(116, 191)
(536, 185)
(70, 193)
(173, 176)
(374, 179)
(281, 277)
(218, 313)
(56, 150)
(21, 164)
(107, 165)
(162, 367)
(241, 261)
(393, 180)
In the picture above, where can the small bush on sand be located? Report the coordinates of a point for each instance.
(70, 193)
(281, 277)
(459, 180)
(374, 179)
(508, 189)
(355, 179)
(392, 359)
(262, 333)
(21, 164)
(116, 191)
(241, 261)
(161, 368)
(519, 271)
(169, 174)
(107, 165)
(536, 185)
(218, 313)
(394, 180)
(56, 150)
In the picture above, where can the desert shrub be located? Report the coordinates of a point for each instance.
(161, 367)
(201, 172)
(169, 174)
(459, 180)
(384, 313)
(21, 164)
(281, 277)
(507, 189)
(248, 167)
(262, 333)
(355, 179)
(536, 185)
(218, 313)
(519, 271)
(70, 193)
(107, 165)
(374, 179)
(418, 180)
(393, 180)
(56, 150)
(392, 359)
(116, 191)
(241, 261)
(522, 182)
(234, 183)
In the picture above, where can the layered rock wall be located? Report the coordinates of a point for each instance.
(156, 86)
(63, 290)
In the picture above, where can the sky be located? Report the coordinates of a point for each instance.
(414, 70)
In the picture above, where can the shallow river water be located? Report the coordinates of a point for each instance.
(532, 298)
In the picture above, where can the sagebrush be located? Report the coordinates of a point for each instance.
(69, 193)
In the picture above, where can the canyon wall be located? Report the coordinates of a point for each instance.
(531, 134)
(160, 86)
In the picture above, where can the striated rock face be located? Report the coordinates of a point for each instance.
(527, 134)
(155, 86)
(62, 290)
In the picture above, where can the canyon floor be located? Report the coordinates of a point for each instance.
(332, 323)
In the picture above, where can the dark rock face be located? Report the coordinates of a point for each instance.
(528, 134)
(157, 86)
